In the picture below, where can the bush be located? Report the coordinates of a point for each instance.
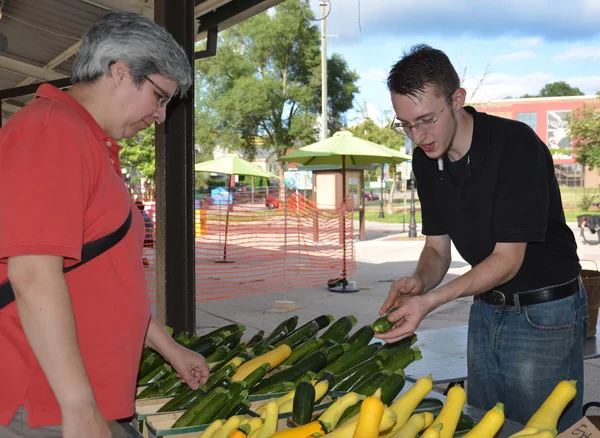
(586, 201)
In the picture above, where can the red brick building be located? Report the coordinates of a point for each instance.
(549, 117)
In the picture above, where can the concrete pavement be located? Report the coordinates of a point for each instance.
(385, 256)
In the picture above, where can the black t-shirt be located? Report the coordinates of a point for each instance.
(510, 194)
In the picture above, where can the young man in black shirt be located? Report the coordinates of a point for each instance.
(487, 185)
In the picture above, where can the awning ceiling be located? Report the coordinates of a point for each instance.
(44, 35)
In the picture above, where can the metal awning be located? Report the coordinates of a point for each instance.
(44, 35)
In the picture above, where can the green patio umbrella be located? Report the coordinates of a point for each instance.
(345, 149)
(231, 165)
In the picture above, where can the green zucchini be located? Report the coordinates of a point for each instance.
(234, 352)
(403, 344)
(313, 362)
(179, 399)
(303, 405)
(288, 325)
(329, 343)
(391, 387)
(336, 351)
(218, 354)
(299, 342)
(227, 371)
(402, 359)
(156, 374)
(303, 350)
(326, 376)
(201, 403)
(361, 337)
(233, 340)
(182, 338)
(351, 358)
(209, 409)
(465, 423)
(368, 388)
(306, 377)
(236, 399)
(322, 321)
(254, 377)
(460, 434)
(261, 347)
(340, 328)
(256, 338)
(349, 378)
(429, 404)
(220, 332)
(222, 382)
(241, 408)
(383, 324)
(151, 364)
(276, 388)
(305, 332)
(205, 346)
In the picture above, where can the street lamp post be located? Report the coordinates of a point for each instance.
(381, 215)
(412, 225)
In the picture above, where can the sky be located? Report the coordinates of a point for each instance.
(500, 48)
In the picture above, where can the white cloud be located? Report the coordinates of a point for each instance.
(580, 52)
(528, 42)
(521, 55)
(498, 86)
(373, 74)
(588, 84)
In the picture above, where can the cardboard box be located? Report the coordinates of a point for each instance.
(587, 427)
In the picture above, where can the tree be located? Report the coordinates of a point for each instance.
(584, 131)
(265, 82)
(138, 155)
(371, 131)
(556, 89)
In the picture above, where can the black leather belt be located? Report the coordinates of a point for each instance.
(552, 293)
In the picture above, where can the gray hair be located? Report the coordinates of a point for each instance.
(143, 45)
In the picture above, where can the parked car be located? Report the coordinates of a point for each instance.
(272, 201)
(371, 196)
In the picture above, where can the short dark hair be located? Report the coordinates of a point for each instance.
(423, 65)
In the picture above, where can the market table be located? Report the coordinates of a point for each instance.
(445, 355)
(509, 427)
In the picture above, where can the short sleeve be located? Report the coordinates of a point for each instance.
(42, 184)
(522, 197)
(431, 225)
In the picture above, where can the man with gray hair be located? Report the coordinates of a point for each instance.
(71, 344)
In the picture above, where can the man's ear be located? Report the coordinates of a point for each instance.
(459, 98)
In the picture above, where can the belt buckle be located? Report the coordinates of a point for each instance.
(496, 298)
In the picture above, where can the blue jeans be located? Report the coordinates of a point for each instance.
(517, 354)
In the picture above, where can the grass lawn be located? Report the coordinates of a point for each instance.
(571, 197)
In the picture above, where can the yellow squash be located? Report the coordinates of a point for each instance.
(273, 357)
(333, 413)
(347, 429)
(428, 419)
(489, 425)
(414, 425)
(300, 432)
(371, 412)
(210, 431)
(450, 413)
(406, 404)
(230, 425)
(529, 430)
(546, 417)
(271, 417)
(433, 432)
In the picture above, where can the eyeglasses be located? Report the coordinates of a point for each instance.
(425, 126)
(165, 98)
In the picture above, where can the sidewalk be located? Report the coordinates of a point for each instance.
(384, 257)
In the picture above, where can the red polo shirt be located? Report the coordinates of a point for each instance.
(61, 186)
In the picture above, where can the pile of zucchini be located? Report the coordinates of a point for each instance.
(275, 364)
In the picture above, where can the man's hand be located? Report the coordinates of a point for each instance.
(401, 291)
(406, 318)
(84, 422)
(189, 365)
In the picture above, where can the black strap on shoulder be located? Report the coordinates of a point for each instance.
(89, 251)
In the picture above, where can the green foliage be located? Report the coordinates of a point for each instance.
(555, 89)
(584, 131)
(586, 201)
(138, 155)
(264, 84)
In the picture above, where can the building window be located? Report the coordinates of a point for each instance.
(529, 119)
(569, 175)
